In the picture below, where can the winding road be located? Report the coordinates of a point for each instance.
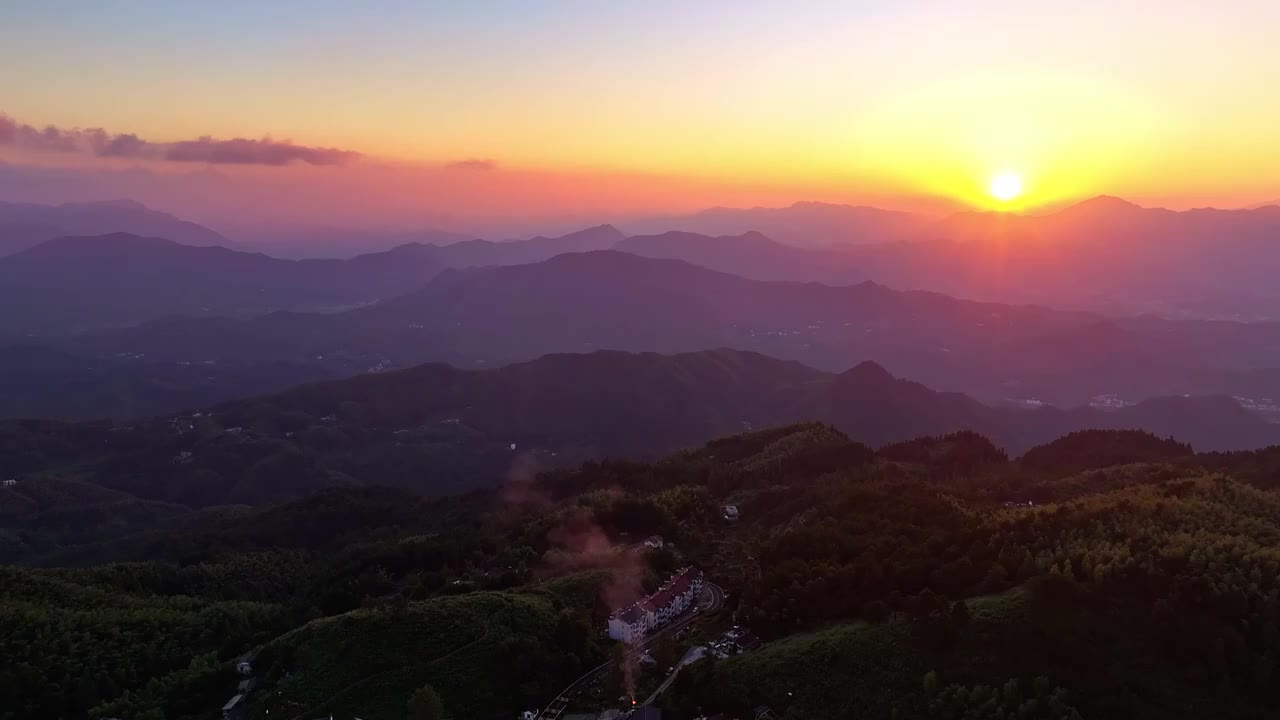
(710, 600)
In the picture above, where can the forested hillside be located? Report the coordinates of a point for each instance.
(1106, 575)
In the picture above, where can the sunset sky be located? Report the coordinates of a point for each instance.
(582, 108)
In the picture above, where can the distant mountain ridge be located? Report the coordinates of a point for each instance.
(438, 430)
(518, 252)
(78, 284)
(612, 300)
(40, 383)
(751, 255)
(803, 224)
(618, 404)
(24, 225)
(1104, 254)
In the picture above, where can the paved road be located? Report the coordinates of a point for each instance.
(711, 600)
(694, 655)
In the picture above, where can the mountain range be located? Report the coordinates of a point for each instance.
(438, 430)
(76, 284)
(38, 382)
(158, 307)
(582, 302)
(1104, 254)
(813, 225)
(24, 225)
(70, 285)
(620, 404)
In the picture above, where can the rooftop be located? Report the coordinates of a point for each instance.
(632, 614)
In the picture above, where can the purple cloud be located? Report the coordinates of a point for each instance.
(50, 138)
(241, 151)
(124, 145)
(236, 151)
(473, 164)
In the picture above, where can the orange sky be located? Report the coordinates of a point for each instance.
(634, 107)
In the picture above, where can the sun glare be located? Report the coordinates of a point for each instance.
(1005, 186)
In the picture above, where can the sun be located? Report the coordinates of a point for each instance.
(1005, 187)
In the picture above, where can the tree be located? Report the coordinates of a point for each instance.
(425, 704)
(931, 683)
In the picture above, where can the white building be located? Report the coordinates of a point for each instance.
(671, 600)
(730, 512)
(10, 482)
(628, 625)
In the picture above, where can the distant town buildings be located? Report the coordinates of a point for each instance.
(642, 617)
(654, 542)
(10, 482)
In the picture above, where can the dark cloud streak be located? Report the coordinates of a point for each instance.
(208, 150)
(129, 145)
(473, 164)
(240, 151)
(49, 139)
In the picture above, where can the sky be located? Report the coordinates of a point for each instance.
(549, 111)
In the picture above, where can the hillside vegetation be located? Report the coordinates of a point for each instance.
(1110, 575)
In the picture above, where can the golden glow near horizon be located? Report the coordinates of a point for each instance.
(840, 101)
(1006, 186)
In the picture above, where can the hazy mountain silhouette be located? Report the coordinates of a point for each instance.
(79, 284)
(612, 300)
(1104, 254)
(73, 284)
(37, 382)
(751, 255)
(337, 242)
(437, 429)
(515, 252)
(24, 225)
(803, 224)
(623, 404)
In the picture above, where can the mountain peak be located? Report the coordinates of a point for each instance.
(604, 232)
(868, 371)
(1103, 204)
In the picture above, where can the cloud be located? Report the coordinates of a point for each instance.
(129, 145)
(240, 151)
(209, 150)
(473, 164)
(48, 139)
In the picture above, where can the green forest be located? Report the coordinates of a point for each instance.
(1105, 575)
